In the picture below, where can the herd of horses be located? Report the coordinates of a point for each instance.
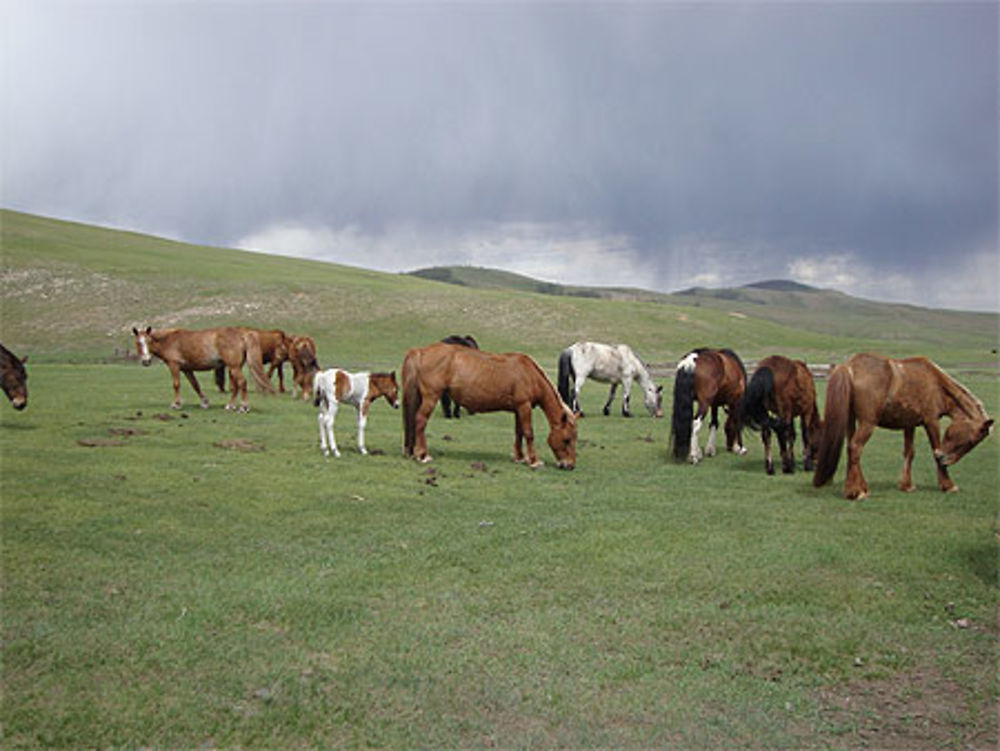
(865, 392)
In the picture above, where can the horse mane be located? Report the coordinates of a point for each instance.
(963, 398)
(9, 360)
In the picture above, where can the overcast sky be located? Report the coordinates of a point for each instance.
(656, 145)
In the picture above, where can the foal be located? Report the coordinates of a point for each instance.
(334, 386)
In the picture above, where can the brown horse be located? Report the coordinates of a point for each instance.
(274, 345)
(14, 378)
(870, 391)
(484, 382)
(185, 351)
(302, 355)
(714, 378)
(446, 400)
(779, 391)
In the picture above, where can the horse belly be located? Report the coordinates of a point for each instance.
(897, 416)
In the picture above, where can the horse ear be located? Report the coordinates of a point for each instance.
(135, 331)
(659, 389)
(25, 359)
(149, 329)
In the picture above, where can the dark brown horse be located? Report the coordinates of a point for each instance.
(14, 378)
(302, 355)
(186, 351)
(870, 391)
(484, 382)
(713, 378)
(274, 345)
(780, 390)
(446, 400)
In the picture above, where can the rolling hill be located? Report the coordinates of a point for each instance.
(72, 292)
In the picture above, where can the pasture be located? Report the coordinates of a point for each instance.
(202, 579)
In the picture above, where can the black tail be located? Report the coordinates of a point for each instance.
(220, 377)
(759, 393)
(682, 418)
(567, 378)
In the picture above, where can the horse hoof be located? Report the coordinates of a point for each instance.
(536, 464)
(769, 468)
(951, 489)
(424, 459)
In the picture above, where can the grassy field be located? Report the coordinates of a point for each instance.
(202, 579)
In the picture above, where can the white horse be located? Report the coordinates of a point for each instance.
(334, 386)
(607, 364)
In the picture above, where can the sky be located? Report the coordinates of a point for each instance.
(661, 145)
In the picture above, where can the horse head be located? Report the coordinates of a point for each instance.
(562, 439)
(142, 344)
(387, 387)
(960, 438)
(652, 396)
(14, 381)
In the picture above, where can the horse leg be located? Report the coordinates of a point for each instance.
(577, 388)
(175, 380)
(626, 393)
(327, 441)
(787, 440)
(189, 374)
(238, 387)
(280, 367)
(712, 430)
(525, 430)
(734, 442)
(905, 477)
(362, 421)
(611, 397)
(807, 455)
(855, 485)
(695, 455)
(765, 436)
(420, 427)
(945, 482)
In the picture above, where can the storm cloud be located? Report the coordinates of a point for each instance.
(847, 145)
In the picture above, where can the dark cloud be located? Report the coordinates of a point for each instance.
(713, 142)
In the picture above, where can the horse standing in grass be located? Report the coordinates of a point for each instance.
(446, 400)
(484, 382)
(274, 345)
(186, 351)
(616, 364)
(779, 391)
(333, 387)
(870, 391)
(14, 378)
(302, 355)
(714, 378)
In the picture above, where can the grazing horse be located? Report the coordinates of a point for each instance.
(607, 364)
(713, 378)
(335, 386)
(484, 382)
(446, 400)
(779, 391)
(274, 345)
(185, 351)
(14, 378)
(302, 355)
(870, 391)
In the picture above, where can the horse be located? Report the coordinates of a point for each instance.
(186, 351)
(616, 364)
(334, 386)
(446, 400)
(302, 355)
(714, 378)
(274, 345)
(14, 378)
(484, 382)
(780, 390)
(870, 391)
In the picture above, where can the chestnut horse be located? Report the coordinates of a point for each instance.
(780, 390)
(14, 378)
(484, 382)
(185, 351)
(302, 355)
(714, 378)
(870, 391)
(446, 400)
(335, 386)
(274, 345)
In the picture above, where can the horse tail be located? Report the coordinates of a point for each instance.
(836, 416)
(754, 404)
(255, 362)
(567, 377)
(682, 419)
(412, 399)
(220, 377)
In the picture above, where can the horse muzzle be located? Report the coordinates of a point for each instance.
(19, 404)
(566, 465)
(147, 361)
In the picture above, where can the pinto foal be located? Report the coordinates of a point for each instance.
(334, 387)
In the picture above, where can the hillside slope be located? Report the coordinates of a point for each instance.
(72, 292)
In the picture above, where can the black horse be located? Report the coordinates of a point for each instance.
(446, 400)
(14, 378)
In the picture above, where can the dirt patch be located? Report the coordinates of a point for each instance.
(94, 442)
(916, 710)
(239, 444)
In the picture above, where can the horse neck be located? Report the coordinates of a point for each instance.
(963, 399)
(639, 369)
(548, 398)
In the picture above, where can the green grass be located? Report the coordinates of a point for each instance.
(170, 593)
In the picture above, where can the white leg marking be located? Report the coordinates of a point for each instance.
(710, 446)
(695, 455)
